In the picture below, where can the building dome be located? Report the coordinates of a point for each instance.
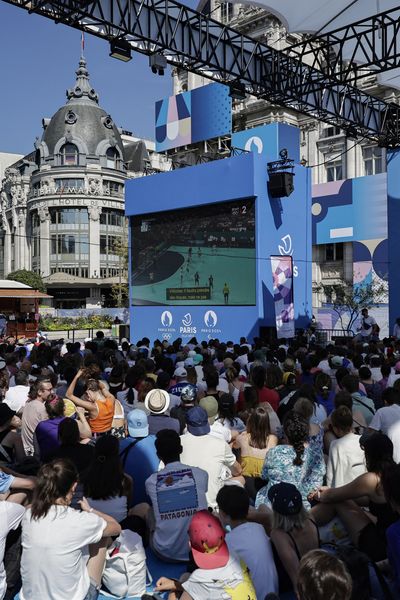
(81, 123)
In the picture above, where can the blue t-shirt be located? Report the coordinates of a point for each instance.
(5, 482)
(141, 462)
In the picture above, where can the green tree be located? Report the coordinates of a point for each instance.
(120, 290)
(34, 280)
(347, 300)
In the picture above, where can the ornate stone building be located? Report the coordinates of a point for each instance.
(62, 206)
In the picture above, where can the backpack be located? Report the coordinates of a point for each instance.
(125, 567)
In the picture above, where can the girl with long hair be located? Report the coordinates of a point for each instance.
(55, 537)
(366, 529)
(255, 442)
(105, 484)
(296, 461)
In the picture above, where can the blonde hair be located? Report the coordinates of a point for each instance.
(289, 522)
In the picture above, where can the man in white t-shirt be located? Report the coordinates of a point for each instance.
(217, 428)
(220, 574)
(17, 395)
(176, 492)
(366, 328)
(247, 540)
(203, 450)
(387, 419)
(10, 517)
(346, 458)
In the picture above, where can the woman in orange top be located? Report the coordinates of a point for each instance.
(97, 401)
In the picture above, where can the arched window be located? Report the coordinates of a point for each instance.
(112, 158)
(69, 154)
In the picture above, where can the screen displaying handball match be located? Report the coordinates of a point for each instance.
(195, 256)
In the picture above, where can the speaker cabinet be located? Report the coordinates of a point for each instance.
(280, 184)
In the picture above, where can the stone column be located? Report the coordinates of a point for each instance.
(44, 217)
(7, 247)
(94, 239)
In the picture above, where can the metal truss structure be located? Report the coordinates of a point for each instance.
(349, 52)
(192, 41)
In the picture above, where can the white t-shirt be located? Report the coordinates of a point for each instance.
(387, 420)
(392, 378)
(219, 430)
(54, 556)
(211, 454)
(177, 492)
(369, 322)
(231, 582)
(10, 517)
(346, 460)
(16, 397)
(252, 545)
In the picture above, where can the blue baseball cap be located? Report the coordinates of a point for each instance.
(138, 425)
(197, 421)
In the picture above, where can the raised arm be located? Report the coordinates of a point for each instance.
(89, 406)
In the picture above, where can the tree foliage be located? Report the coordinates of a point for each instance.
(347, 300)
(120, 290)
(34, 280)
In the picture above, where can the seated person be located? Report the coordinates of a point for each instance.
(247, 540)
(293, 532)
(10, 517)
(71, 447)
(105, 485)
(138, 453)
(322, 576)
(346, 457)
(11, 447)
(220, 573)
(176, 493)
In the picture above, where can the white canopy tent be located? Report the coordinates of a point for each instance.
(317, 17)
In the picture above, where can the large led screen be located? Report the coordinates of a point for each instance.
(195, 256)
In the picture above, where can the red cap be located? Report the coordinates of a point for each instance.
(207, 540)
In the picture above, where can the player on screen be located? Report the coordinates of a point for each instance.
(225, 291)
(196, 278)
(211, 282)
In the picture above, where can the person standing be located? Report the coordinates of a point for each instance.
(226, 293)
(367, 327)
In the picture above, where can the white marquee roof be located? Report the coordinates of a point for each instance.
(322, 16)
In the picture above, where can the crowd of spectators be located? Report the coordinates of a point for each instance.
(263, 470)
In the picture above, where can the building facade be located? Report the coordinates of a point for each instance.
(62, 206)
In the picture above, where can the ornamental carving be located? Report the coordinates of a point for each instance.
(43, 213)
(94, 212)
(94, 186)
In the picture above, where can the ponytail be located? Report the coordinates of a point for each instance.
(296, 429)
(54, 481)
(130, 397)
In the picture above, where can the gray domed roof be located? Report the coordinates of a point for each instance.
(82, 119)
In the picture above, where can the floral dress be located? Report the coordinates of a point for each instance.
(278, 467)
